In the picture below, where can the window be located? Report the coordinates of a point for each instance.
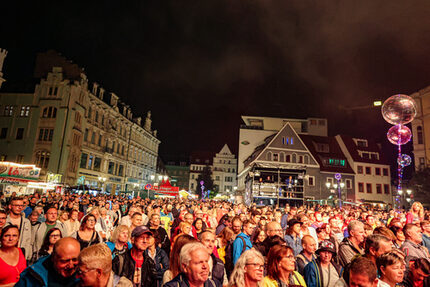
(97, 163)
(19, 158)
(336, 162)
(385, 171)
(49, 112)
(306, 159)
(311, 181)
(8, 111)
(93, 138)
(269, 156)
(192, 185)
(192, 177)
(368, 170)
(111, 167)
(84, 158)
(42, 159)
(86, 135)
(53, 91)
(90, 162)
(321, 122)
(275, 157)
(377, 171)
(19, 133)
(359, 169)
(300, 159)
(100, 140)
(3, 133)
(361, 187)
(361, 143)
(89, 112)
(368, 187)
(120, 170)
(420, 135)
(25, 111)
(386, 189)
(46, 134)
(348, 183)
(282, 157)
(288, 158)
(329, 180)
(378, 188)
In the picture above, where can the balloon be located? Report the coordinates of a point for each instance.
(399, 134)
(404, 160)
(399, 109)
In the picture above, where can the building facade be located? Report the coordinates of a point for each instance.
(179, 173)
(224, 170)
(87, 136)
(421, 129)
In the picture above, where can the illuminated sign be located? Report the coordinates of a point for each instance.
(19, 171)
(54, 177)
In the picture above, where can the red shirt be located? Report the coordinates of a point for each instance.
(10, 274)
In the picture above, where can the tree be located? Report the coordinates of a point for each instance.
(208, 184)
(420, 184)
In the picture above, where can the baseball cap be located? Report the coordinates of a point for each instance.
(326, 245)
(138, 231)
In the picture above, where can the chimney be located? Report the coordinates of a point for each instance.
(95, 86)
(101, 93)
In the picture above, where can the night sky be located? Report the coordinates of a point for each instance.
(199, 65)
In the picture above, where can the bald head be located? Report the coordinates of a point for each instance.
(274, 228)
(309, 244)
(65, 256)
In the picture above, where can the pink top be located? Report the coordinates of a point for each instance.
(10, 274)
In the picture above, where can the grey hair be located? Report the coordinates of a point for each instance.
(237, 277)
(354, 224)
(186, 250)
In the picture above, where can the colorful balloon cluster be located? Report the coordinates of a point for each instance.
(399, 110)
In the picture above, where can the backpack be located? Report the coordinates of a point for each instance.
(229, 266)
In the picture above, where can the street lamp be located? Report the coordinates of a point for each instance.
(339, 186)
(102, 181)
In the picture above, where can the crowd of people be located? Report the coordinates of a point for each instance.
(84, 240)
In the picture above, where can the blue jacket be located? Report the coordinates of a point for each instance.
(161, 261)
(314, 276)
(37, 275)
(238, 246)
(296, 244)
(426, 242)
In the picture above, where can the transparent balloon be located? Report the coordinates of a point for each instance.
(399, 135)
(399, 109)
(404, 160)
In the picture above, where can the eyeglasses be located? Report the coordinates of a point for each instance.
(54, 235)
(256, 265)
(80, 272)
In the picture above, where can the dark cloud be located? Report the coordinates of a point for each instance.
(200, 65)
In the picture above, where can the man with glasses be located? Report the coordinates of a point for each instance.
(134, 264)
(16, 217)
(243, 240)
(51, 216)
(57, 269)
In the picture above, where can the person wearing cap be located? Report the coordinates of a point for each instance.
(136, 264)
(292, 236)
(323, 272)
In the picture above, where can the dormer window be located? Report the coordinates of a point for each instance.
(361, 142)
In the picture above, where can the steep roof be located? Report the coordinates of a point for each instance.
(371, 147)
(330, 151)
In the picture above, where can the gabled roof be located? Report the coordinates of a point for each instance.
(353, 150)
(225, 150)
(334, 152)
(273, 143)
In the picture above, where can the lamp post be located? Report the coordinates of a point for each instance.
(102, 181)
(337, 186)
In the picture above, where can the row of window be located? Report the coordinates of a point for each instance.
(8, 111)
(19, 133)
(282, 157)
(46, 134)
(368, 170)
(90, 162)
(367, 187)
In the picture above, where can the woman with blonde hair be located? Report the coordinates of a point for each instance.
(120, 240)
(223, 239)
(248, 271)
(416, 214)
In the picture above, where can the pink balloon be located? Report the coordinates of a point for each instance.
(399, 135)
(399, 109)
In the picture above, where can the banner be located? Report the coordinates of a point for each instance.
(19, 171)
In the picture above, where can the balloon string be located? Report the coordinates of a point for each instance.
(399, 167)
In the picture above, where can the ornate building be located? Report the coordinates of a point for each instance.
(89, 137)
